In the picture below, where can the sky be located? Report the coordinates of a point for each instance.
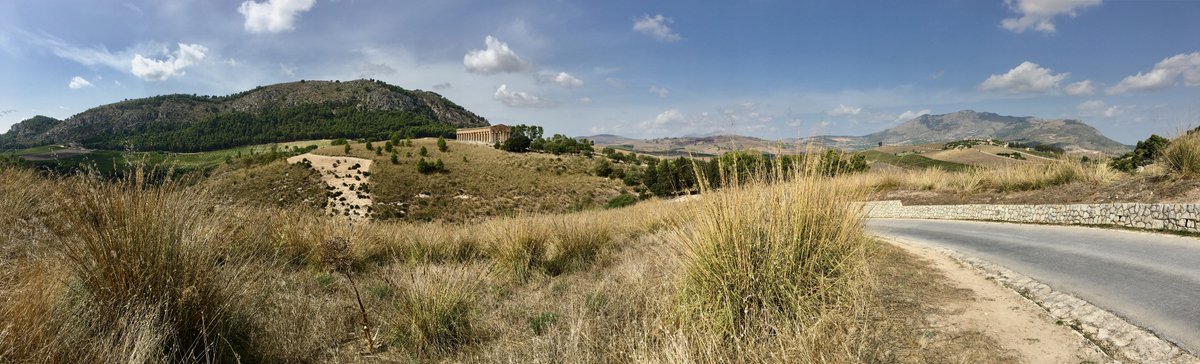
(637, 68)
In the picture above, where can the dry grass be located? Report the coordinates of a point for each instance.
(1183, 154)
(487, 183)
(1018, 177)
(126, 271)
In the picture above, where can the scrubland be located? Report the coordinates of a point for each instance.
(96, 270)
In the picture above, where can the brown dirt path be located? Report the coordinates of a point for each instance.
(346, 177)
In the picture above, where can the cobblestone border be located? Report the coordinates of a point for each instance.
(1115, 336)
(1166, 217)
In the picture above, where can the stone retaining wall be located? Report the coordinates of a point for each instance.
(1176, 217)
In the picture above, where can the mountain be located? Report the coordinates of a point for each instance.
(1072, 135)
(701, 146)
(276, 113)
(1064, 133)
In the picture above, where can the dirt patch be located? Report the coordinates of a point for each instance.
(967, 318)
(347, 181)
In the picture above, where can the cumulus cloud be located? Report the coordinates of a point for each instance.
(1027, 77)
(519, 98)
(78, 83)
(562, 79)
(1039, 14)
(151, 69)
(909, 114)
(656, 26)
(1081, 88)
(497, 58)
(273, 16)
(662, 92)
(1166, 73)
(843, 110)
(585, 100)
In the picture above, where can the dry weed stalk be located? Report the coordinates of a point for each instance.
(335, 253)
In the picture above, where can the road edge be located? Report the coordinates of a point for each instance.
(1113, 334)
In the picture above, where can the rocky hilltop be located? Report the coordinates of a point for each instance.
(281, 112)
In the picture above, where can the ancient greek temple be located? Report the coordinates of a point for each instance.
(488, 135)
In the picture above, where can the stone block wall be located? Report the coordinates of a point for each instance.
(1176, 217)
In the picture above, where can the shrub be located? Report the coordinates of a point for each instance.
(395, 159)
(346, 149)
(424, 152)
(621, 200)
(1182, 155)
(441, 144)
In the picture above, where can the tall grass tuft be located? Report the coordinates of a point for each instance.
(434, 317)
(1183, 154)
(764, 260)
(146, 266)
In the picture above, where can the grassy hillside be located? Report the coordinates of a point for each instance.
(121, 271)
(479, 181)
(912, 161)
(113, 162)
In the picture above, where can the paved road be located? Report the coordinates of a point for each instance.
(1152, 280)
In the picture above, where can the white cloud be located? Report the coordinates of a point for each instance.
(585, 100)
(442, 86)
(656, 26)
(273, 16)
(843, 110)
(1166, 73)
(1027, 77)
(519, 98)
(1100, 108)
(1039, 14)
(562, 79)
(78, 83)
(1091, 106)
(662, 92)
(497, 58)
(151, 69)
(1081, 88)
(909, 114)
(614, 83)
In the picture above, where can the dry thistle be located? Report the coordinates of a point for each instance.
(335, 254)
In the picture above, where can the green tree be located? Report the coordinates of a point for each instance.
(347, 148)
(395, 159)
(424, 152)
(370, 147)
(441, 144)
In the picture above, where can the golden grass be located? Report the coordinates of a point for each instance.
(131, 272)
(1019, 177)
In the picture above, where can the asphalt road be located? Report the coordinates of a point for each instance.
(1151, 280)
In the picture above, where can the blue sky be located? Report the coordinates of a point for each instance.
(774, 69)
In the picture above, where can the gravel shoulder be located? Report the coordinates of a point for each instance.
(1016, 324)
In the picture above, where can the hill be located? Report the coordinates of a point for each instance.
(1072, 135)
(479, 181)
(268, 114)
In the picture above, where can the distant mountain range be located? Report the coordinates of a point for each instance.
(275, 113)
(1072, 135)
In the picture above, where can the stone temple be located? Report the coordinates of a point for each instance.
(487, 135)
